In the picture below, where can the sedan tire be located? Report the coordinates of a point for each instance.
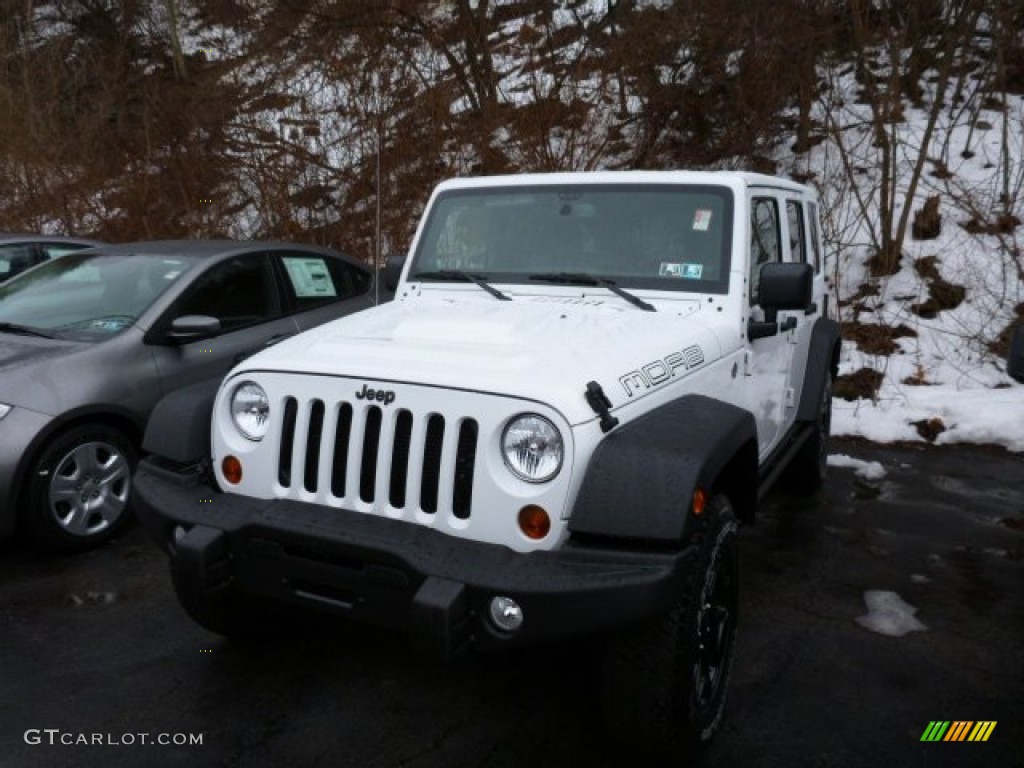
(79, 489)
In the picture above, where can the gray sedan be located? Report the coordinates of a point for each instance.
(89, 343)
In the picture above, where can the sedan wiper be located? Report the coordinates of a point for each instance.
(582, 278)
(465, 277)
(24, 330)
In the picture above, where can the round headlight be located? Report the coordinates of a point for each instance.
(250, 410)
(532, 447)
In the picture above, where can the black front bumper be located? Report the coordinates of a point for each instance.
(396, 574)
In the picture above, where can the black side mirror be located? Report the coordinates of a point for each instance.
(1015, 360)
(391, 272)
(786, 286)
(192, 328)
(782, 286)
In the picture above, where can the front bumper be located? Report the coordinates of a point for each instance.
(401, 575)
(20, 433)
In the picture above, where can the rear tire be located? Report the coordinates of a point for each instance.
(665, 681)
(806, 473)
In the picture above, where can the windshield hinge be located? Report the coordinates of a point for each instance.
(598, 400)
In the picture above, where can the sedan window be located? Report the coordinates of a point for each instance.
(89, 293)
(314, 279)
(239, 292)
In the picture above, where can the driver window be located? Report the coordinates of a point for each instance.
(764, 239)
(238, 292)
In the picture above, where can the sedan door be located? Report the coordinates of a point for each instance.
(242, 293)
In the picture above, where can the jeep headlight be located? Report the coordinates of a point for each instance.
(250, 410)
(532, 447)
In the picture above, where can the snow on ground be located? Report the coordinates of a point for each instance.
(888, 614)
(942, 374)
(869, 470)
(987, 416)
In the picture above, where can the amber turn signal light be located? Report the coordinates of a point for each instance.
(232, 469)
(700, 498)
(534, 522)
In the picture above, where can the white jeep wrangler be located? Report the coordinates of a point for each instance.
(583, 382)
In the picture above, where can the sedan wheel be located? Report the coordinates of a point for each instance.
(80, 489)
(89, 489)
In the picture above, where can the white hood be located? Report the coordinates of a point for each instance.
(543, 348)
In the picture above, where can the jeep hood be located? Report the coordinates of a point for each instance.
(539, 348)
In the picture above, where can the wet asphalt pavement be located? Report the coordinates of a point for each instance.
(96, 644)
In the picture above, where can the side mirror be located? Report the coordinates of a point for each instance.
(192, 328)
(782, 286)
(391, 272)
(1015, 360)
(785, 286)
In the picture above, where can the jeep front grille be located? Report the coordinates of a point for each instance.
(379, 455)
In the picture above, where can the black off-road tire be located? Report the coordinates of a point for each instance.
(806, 473)
(79, 489)
(664, 682)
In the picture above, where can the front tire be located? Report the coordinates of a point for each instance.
(79, 489)
(665, 682)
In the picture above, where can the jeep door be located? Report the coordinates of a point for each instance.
(802, 245)
(768, 359)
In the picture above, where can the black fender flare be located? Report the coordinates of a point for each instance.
(640, 481)
(179, 426)
(822, 361)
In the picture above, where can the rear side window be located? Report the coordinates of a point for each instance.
(814, 242)
(312, 279)
(797, 236)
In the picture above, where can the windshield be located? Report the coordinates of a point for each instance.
(88, 295)
(663, 237)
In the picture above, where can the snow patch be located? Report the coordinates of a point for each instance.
(869, 470)
(889, 615)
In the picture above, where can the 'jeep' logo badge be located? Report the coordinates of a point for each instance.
(385, 396)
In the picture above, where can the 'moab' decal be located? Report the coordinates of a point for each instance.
(657, 372)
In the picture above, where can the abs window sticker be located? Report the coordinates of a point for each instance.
(701, 220)
(310, 277)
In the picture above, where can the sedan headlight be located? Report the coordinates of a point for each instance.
(532, 447)
(4, 410)
(250, 410)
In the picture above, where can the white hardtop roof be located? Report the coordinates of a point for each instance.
(734, 179)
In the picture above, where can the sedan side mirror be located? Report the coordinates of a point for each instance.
(1015, 360)
(193, 328)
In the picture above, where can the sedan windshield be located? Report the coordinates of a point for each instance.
(89, 295)
(654, 236)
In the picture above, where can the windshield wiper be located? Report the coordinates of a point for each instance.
(24, 330)
(582, 278)
(465, 277)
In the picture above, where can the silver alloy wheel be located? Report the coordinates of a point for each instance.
(89, 488)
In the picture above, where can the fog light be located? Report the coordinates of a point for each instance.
(232, 469)
(506, 614)
(534, 521)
